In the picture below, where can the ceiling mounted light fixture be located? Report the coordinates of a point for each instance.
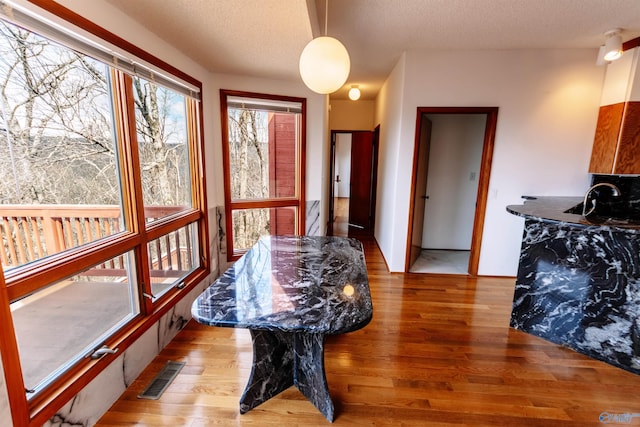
(324, 62)
(613, 45)
(354, 93)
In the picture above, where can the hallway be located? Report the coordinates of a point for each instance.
(341, 216)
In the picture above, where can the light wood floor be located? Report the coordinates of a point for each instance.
(438, 352)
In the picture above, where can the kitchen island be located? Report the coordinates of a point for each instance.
(578, 282)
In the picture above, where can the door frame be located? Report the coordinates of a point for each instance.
(483, 179)
(374, 178)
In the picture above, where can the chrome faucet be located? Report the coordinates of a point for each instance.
(615, 191)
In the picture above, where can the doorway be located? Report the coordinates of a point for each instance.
(452, 164)
(354, 165)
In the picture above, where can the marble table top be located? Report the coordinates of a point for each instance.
(308, 284)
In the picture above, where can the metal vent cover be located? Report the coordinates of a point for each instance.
(161, 381)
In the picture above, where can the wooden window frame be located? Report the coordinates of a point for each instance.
(282, 202)
(26, 279)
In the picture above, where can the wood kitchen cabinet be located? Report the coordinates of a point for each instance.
(616, 145)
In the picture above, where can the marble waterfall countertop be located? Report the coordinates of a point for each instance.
(578, 282)
(558, 209)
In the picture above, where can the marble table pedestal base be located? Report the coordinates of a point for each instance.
(282, 359)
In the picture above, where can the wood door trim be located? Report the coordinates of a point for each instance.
(412, 193)
(483, 180)
(332, 160)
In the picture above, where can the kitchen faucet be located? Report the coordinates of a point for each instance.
(615, 191)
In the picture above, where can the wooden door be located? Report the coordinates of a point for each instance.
(421, 169)
(361, 194)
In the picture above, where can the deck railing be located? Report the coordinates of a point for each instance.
(32, 232)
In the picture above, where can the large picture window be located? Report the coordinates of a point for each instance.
(102, 208)
(263, 143)
(59, 179)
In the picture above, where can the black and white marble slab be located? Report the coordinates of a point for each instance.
(578, 285)
(627, 203)
(291, 292)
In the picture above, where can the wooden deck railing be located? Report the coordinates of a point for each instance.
(29, 233)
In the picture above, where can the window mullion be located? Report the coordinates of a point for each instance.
(301, 170)
(133, 205)
(127, 147)
(198, 186)
(63, 265)
(197, 157)
(264, 203)
(226, 168)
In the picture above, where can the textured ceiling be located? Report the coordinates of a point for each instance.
(265, 37)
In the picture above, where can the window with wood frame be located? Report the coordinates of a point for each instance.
(263, 140)
(102, 208)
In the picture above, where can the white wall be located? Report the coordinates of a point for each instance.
(389, 116)
(548, 102)
(452, 184)
(351, 115)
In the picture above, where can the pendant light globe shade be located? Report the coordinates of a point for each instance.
(324, 65)
(354, 93)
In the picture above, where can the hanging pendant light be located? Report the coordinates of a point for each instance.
(324, 62)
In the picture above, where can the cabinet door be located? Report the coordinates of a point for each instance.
(628, 154)
(616, 145)
(605, 141)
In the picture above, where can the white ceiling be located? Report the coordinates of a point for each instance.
(265, 37)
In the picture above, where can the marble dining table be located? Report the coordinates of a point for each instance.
(290, 292)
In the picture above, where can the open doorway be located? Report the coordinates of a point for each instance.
(354, 165)
(452, 162)
(341, 183)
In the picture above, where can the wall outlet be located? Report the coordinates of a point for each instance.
(472, 176)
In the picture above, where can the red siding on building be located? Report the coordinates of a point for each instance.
(282, 170)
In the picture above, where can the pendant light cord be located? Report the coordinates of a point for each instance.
(326, 16)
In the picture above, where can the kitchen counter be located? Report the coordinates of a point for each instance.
(563, 209)
(578, 281)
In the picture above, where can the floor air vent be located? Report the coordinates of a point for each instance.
(160, 383)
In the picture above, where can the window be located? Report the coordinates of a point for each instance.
(61, 166)
(161, 127)
(102, 209)
(263, 143)
(58, 325)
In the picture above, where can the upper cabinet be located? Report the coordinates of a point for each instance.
(616, 145)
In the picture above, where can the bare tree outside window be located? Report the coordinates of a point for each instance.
(249, 154)
(56, 124)
(56, 128)
(163, 146)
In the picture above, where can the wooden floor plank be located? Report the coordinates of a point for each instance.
(438, 352)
